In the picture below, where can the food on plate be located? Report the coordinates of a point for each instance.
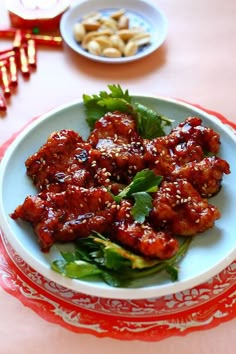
(128, 194)
(110, 35)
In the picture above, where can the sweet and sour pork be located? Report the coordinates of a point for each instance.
(73, 178)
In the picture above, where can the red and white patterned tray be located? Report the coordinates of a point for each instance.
(199, 308)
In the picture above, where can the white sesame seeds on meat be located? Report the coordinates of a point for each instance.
(88, 172)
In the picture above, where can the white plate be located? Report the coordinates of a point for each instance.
(209, 252)
(141, 13)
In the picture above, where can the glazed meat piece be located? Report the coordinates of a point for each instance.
(181, 154)
(206, 176)
(120, 147)
(63, 160)
(121, 162)
(188, 142)
(116, 126)
(192, 129)
(142, 238)
(67, 215)
(179, 208)
(164, 157)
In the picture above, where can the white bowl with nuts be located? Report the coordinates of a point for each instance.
(114, 32)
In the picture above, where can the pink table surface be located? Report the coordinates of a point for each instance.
(196, 63)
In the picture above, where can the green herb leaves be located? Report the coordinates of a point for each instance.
(142, 206)
(143, 183)
(98, 105)
(98, 256)
(149, 123)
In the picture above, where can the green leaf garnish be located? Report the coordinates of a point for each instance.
(77, 269)
(150, 124)
(142, 206)
(143, 181)
(96, 255)
(96, 106)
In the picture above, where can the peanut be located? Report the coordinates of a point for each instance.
(141, 38)
(94, 47)
(91, 25)
(104, 41)
(87, 38)
(109, 23)
(79, 32)
(117, 14)
(126, 34)
(130, 49)
(111, 53)
(123, 22)
(117, 42)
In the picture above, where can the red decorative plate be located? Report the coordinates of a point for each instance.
(154, 319)
(198, 308)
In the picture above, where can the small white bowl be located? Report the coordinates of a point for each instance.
(140, 12)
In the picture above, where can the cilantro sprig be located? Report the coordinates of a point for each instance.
(144, 181)
(139, 189)
(150, 124)
(97, 256)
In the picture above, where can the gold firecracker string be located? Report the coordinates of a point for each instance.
(21, 57)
